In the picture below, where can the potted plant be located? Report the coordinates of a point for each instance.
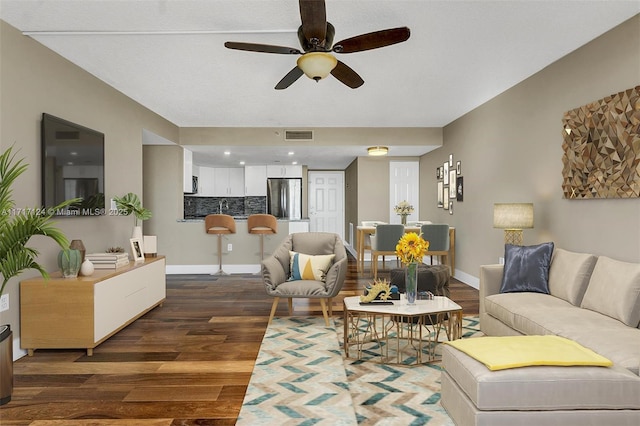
(17, 226)
(131, 204)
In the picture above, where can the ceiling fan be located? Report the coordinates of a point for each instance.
(316, 38)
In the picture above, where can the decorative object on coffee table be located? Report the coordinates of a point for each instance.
(410, 250)
(379, 291)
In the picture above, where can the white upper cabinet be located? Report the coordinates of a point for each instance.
(187, 184)
(228, 182)
(206, 179)
(290, 171)
(255, 181)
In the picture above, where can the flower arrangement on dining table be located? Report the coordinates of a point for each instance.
(403, 208)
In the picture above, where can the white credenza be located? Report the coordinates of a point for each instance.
(67, 313)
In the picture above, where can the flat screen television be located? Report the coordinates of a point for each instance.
(72, 167)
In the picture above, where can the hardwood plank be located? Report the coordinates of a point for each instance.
(186, 363)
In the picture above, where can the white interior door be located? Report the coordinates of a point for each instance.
(326, 202)
(404, 184)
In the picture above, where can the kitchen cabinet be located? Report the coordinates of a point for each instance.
(206, 179)
(289, 171)
(82, 312)
(187, 165)
(228, 182)
(255, 181)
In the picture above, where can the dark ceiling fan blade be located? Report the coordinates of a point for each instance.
(346, 75)
(265, 48)
(372, 40)
(289, 79)
(314, 20)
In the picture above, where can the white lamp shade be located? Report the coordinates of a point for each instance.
(513, 215)
(317, 65)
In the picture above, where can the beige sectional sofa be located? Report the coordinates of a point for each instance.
(592, 300)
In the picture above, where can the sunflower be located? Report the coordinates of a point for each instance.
(411, 248)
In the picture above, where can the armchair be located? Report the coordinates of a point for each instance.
(276, 271)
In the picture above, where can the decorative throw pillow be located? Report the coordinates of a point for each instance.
(614, 290)
(308, 267)
(569, 274)
(526, 268)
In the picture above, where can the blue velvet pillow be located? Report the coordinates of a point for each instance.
(526, 268)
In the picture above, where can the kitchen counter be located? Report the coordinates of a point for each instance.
(239, 219)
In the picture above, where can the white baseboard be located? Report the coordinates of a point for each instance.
(18, 352)
(211, 269)
(469, 280)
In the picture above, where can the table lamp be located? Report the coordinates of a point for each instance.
(513, 218)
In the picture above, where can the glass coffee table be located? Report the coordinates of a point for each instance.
(408, 330)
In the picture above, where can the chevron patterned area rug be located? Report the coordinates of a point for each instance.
(301, 377)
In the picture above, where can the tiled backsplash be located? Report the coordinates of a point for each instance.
(238, 206)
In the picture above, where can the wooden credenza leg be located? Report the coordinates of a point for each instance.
(89, 351)
(30, 352)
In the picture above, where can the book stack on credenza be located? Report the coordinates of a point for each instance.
(108, 260)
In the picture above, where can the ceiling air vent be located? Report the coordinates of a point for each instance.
(298, 135)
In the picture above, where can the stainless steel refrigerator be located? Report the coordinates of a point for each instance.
(284, 198)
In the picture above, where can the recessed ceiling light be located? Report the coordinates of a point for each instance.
(294, 163)
(227, 153)
(291, 152)
(73, 153)
(242, 163)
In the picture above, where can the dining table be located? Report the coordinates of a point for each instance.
(363, 231)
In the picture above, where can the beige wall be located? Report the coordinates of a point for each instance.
(511, 151)
(34, 80)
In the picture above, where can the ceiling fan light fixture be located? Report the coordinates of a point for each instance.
(377, 150)
(317, 65)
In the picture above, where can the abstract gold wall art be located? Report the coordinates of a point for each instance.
(602, 148)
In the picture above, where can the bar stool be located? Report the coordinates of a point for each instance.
(262, 224)
(219, 224)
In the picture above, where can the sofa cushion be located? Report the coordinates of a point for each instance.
(569, 274)
(526, 268)
(542, 388)
(535, 313)
(307, 267)
(513, 308)
(614, 290)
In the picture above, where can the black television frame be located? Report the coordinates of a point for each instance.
(51, 177)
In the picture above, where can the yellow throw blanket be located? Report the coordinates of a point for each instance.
(499, 353)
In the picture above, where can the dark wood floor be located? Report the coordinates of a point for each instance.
(185, 363)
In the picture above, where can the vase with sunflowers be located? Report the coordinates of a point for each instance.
(403, 209)
(410, 249)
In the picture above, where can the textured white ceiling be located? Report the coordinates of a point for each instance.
(169, 55)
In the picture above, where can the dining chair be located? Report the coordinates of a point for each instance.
(384, 242)
(367, 237)
(437, 234)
